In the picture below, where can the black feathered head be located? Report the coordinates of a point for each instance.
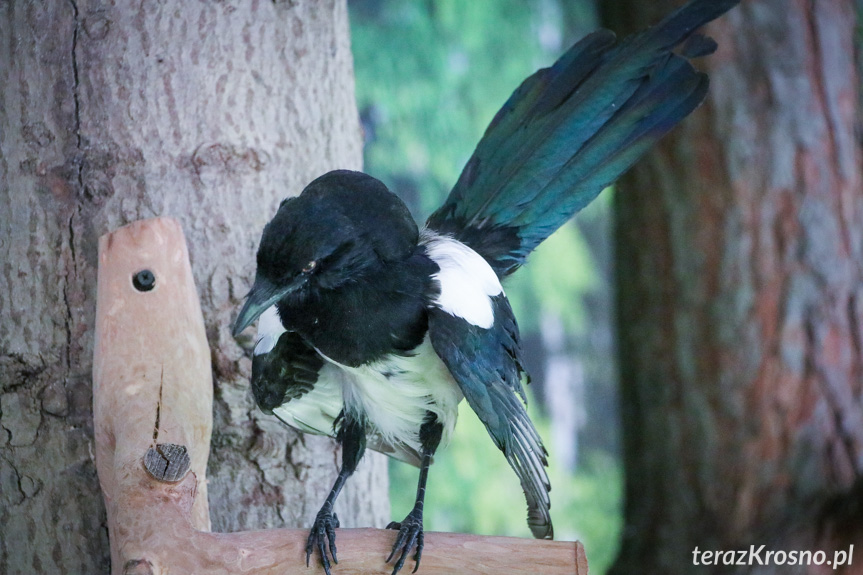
(343, 225)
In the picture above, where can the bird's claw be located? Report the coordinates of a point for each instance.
(410, 533)
(323, 532)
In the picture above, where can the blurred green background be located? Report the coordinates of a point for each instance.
(430, 75)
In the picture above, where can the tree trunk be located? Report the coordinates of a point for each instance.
(210, 112)
(740, 278)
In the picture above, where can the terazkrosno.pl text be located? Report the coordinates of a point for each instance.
(763, 556)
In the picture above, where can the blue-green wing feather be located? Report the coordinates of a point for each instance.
(572, 129)
(486, 364)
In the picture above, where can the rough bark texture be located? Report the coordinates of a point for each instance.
(210, 112)
(740, 273)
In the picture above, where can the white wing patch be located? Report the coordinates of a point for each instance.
(270, 329)
(467, 282)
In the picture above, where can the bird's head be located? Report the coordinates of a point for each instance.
(343, 226)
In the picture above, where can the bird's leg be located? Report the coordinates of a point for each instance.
(411, 529)
(352, 437)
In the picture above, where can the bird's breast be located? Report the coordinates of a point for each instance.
(395, 394)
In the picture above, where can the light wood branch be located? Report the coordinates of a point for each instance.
(153, 393)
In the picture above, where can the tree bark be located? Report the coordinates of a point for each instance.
(210, 112)
(740, 279)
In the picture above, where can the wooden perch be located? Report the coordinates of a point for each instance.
(152, 394)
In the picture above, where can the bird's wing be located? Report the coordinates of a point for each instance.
(571, 130)
(486, 364)
(287, 382)
(291, 380)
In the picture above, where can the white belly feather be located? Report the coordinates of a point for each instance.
(393, 394)
(396, 393)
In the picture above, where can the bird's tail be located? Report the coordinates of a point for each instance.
(572, 129)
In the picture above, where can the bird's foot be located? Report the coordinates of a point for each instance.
(323, 532)
(410, 533)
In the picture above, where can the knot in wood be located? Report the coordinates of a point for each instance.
(167, 462)
(138, 567)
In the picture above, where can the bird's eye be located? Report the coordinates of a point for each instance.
(310, 266)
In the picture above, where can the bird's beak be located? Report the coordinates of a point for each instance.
(263, 295)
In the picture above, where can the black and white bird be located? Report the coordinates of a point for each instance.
(372, 330)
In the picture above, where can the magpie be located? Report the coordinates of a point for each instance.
(372, 330)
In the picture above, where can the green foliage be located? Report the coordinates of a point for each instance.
(557, 273)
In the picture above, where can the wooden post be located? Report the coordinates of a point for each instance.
(152, 395)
